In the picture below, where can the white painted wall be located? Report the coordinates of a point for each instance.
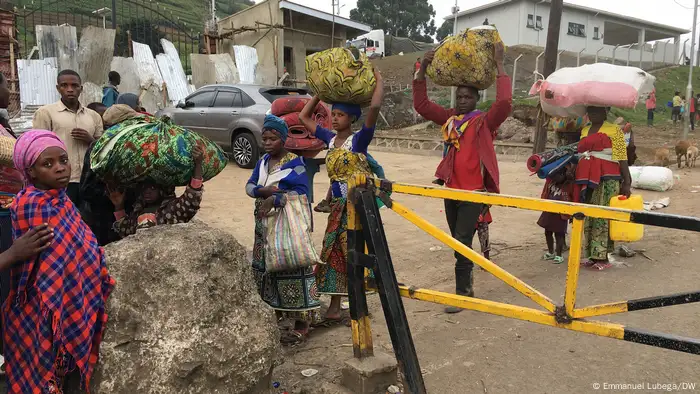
(507, 19)
(511, 21)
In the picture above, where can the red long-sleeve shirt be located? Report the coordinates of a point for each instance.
(476, 143)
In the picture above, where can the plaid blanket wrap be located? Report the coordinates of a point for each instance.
(54, 316)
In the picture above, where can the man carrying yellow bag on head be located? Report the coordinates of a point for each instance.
(469, 161)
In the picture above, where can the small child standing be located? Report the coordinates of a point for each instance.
(558, 187)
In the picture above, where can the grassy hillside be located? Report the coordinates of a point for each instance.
(190, 13)
(668, 81)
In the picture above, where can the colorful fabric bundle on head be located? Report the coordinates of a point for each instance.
(350, 109)
(277, 124)
(336, 75)
(149, 149)
(55, 311)
(29, 147)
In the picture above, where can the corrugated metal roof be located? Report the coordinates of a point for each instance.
(146, 66)
(246, 62)
(172, 72)
(37, 81)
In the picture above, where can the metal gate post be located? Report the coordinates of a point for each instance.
(361, 330)
(114, 15)
(388, 287)
(515, 71)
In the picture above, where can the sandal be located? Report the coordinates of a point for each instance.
(588, 263)
(292, 338)
(323, 207)
(558, 260)
(601, 266)
(549, 256)
(328, 323)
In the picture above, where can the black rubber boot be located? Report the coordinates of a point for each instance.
(465, 287)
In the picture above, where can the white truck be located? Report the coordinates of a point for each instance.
(371, 43)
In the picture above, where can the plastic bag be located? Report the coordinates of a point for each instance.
(466, 59)
(568, 91)
(288, 243)
(147, 148)
(336, 76)
(658, 179)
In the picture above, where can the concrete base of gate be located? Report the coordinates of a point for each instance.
(370, 375)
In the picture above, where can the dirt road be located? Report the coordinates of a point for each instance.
(473, 352)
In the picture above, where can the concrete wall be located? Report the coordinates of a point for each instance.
(305, 34)
(511, 21)
(302, 33)
(269, 47)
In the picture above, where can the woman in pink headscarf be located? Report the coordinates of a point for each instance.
(55, 312)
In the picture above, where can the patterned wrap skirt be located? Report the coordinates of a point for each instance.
(597, 231)
(332, 277)
(293, 294)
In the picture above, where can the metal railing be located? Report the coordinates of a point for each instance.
(368, 249)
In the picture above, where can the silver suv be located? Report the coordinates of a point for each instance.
(230, 115)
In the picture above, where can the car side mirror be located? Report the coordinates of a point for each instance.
(180, 104)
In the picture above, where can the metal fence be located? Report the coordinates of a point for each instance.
(368, 249)
(142, 21)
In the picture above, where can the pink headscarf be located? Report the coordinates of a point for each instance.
(30, 145)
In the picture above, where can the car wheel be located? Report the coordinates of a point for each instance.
(245, 150)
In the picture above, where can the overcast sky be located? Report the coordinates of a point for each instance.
(670, 12)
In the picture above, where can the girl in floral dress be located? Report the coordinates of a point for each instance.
(347, 156)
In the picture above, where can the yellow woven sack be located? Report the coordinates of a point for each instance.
(466, 59)
(336, 76)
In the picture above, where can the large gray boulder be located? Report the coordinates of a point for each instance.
(185, 316)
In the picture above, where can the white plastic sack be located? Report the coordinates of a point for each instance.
(568, 91)
(658, 179)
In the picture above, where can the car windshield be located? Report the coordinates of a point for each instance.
(272, 94)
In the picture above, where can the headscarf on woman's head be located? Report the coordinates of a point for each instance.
(129, 99)
(30, 146)
(353, 110)
(277, 124)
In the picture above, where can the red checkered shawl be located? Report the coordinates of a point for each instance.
(54, 316)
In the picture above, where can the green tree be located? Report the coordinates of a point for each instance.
(445, 30)
(405, 18)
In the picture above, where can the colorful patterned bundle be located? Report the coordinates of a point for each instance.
(336, 76)
(150, 149)
(466, 59)
(288, 244)
(567, 124)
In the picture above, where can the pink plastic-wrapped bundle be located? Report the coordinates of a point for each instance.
(568, 91)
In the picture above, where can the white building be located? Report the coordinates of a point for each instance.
(525, 22)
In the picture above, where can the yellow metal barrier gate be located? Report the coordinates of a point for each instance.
(367, 247)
